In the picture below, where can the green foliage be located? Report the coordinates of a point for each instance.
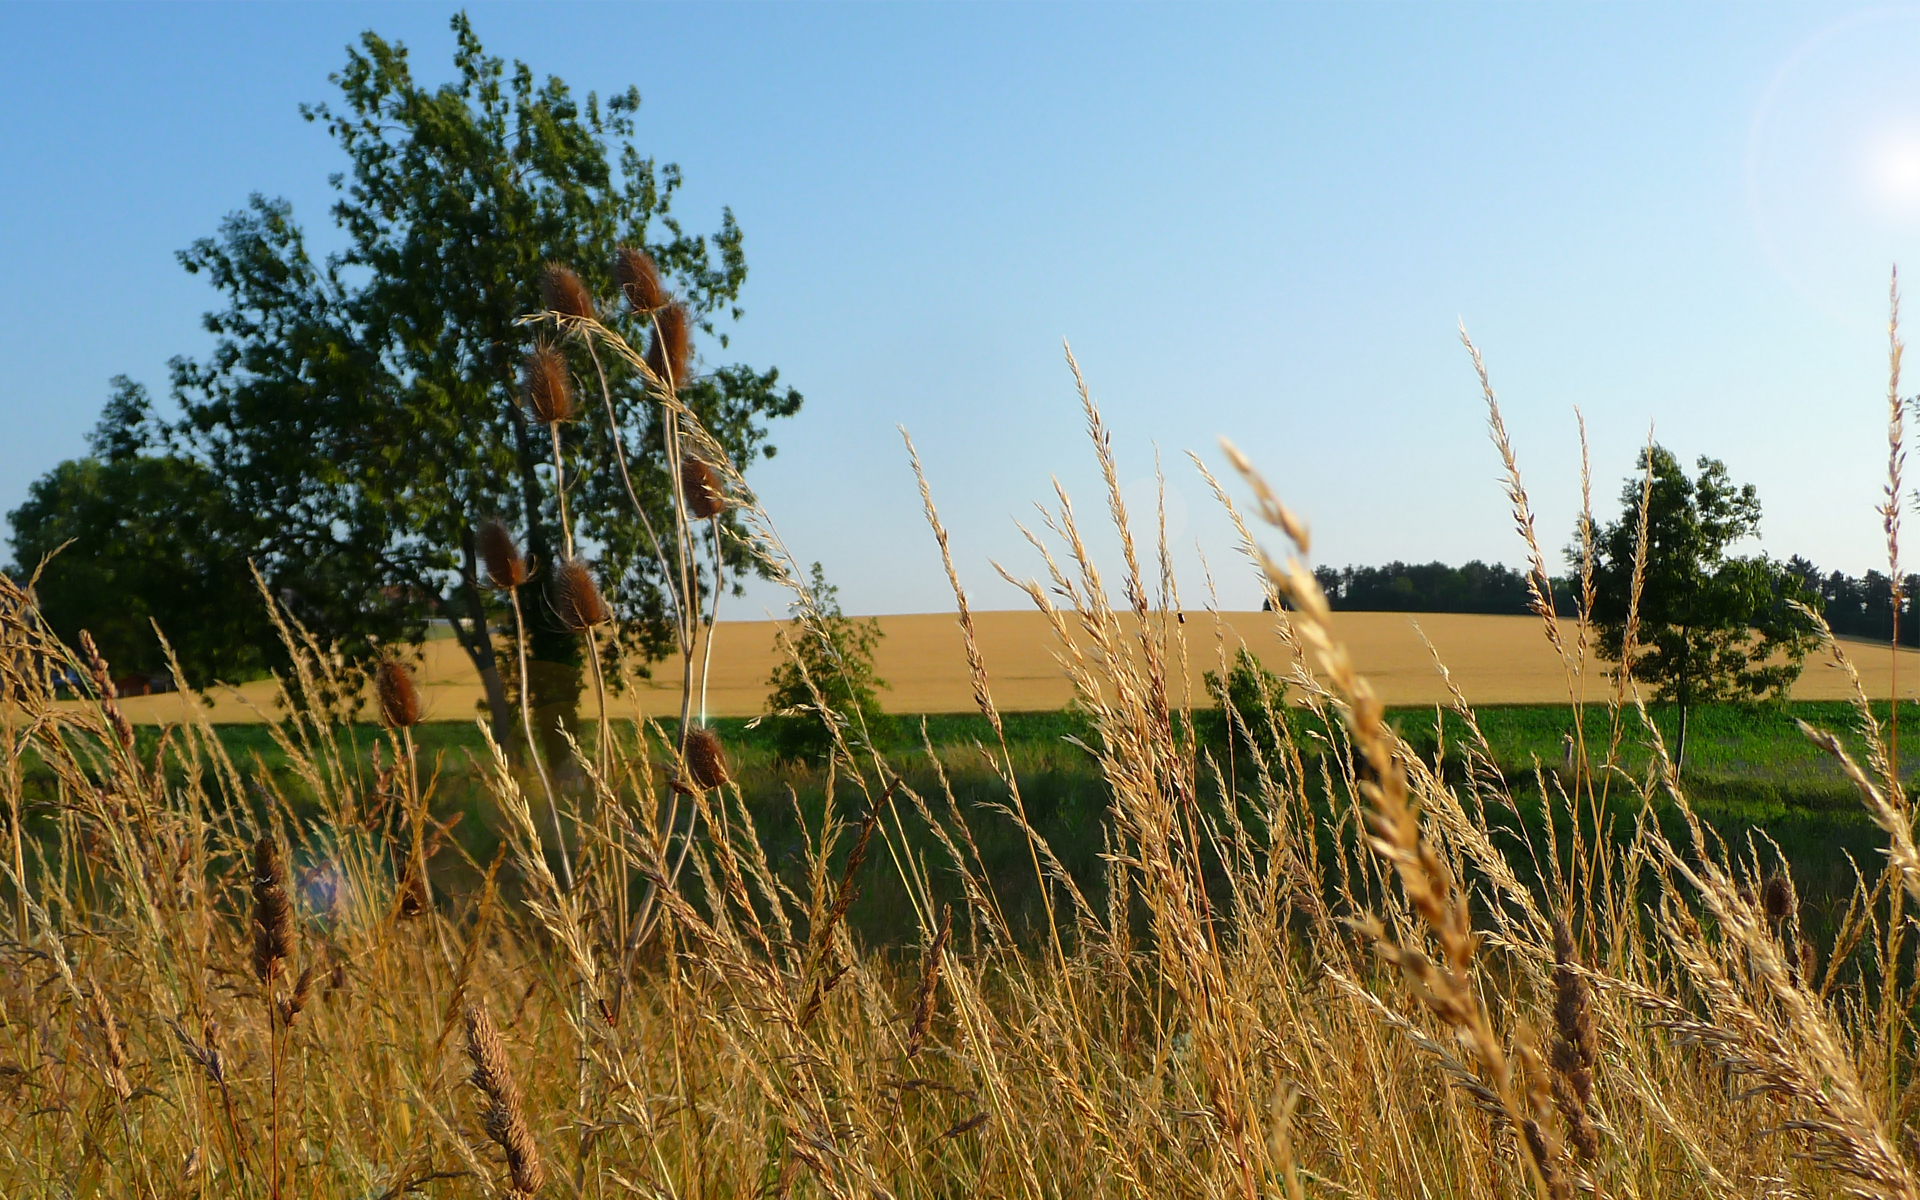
(363, 410)
(1252, 704)
(130, 539)
(832, 665)
(1711, 626)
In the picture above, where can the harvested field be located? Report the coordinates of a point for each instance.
(1493, 660)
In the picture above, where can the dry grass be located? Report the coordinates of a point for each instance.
(1269, 1002)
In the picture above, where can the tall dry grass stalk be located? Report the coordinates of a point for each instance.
(1363, 975)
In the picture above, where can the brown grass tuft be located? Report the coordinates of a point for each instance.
(546, 386)
(506, 566)
(705, 497)
(562, 291)
(639, 278)
(505, 1116)
(576, 598)
(667, 353)
(398, 695)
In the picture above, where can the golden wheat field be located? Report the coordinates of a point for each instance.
(1353, 971)
(1492, 659)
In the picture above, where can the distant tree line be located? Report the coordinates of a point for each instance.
(1854, 606)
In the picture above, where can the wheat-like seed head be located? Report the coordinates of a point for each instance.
(576, 598)
(506, 566)
(505, 1116)
(639, 279)
(562, 291)
(546, 387)
(272, 910)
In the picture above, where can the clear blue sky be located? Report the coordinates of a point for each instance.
(1263, 222)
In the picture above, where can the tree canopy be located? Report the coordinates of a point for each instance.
(1712, 625)
(361, 413)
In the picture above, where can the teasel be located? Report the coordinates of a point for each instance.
(706, 759)
(562, 291)
(272, 910)
(397, 694)
(506, 1119)
(634, 270)
(702, 489)
(1576, 1048)
(576, 598)
(667, 353)
(506, 566)
(1777, 901)
(546, 387)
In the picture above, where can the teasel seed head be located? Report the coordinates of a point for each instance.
(506, 566)
(547, 388)
(1776, 898)
(399, 698)
(706, 759)
(506, 1119)
(576, 598)
(701, 486)
(272, 910)
(667, 353)
(562, 291)
(639, 279)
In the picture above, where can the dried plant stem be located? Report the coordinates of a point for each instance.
(713, 621)
(533, 744)
(1890, 518)
(560, 488)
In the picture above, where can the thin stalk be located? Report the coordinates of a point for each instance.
(560, 488)
(713, 622)
(633, 498)
(273, 1082)
(533, 744)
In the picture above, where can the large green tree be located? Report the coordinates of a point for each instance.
(123, 539)
(1712, 626)
(363, 410)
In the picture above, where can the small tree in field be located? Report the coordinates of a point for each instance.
(1711, 626)
(838, 663)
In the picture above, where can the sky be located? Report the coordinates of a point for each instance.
(1267, 223)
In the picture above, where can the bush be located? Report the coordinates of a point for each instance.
(831, 661)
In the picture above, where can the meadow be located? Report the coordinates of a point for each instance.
(1320, 948)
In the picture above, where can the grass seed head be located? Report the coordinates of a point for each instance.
(272, 910)
(546, 386)
(399, 697)
(705, 497)
(505, 1116)
(562, 291)
(576, 598)
(667, 353)
(639, 279)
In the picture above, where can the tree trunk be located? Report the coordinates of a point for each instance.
(1680, 743)
(553, 679)
(478, 644)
